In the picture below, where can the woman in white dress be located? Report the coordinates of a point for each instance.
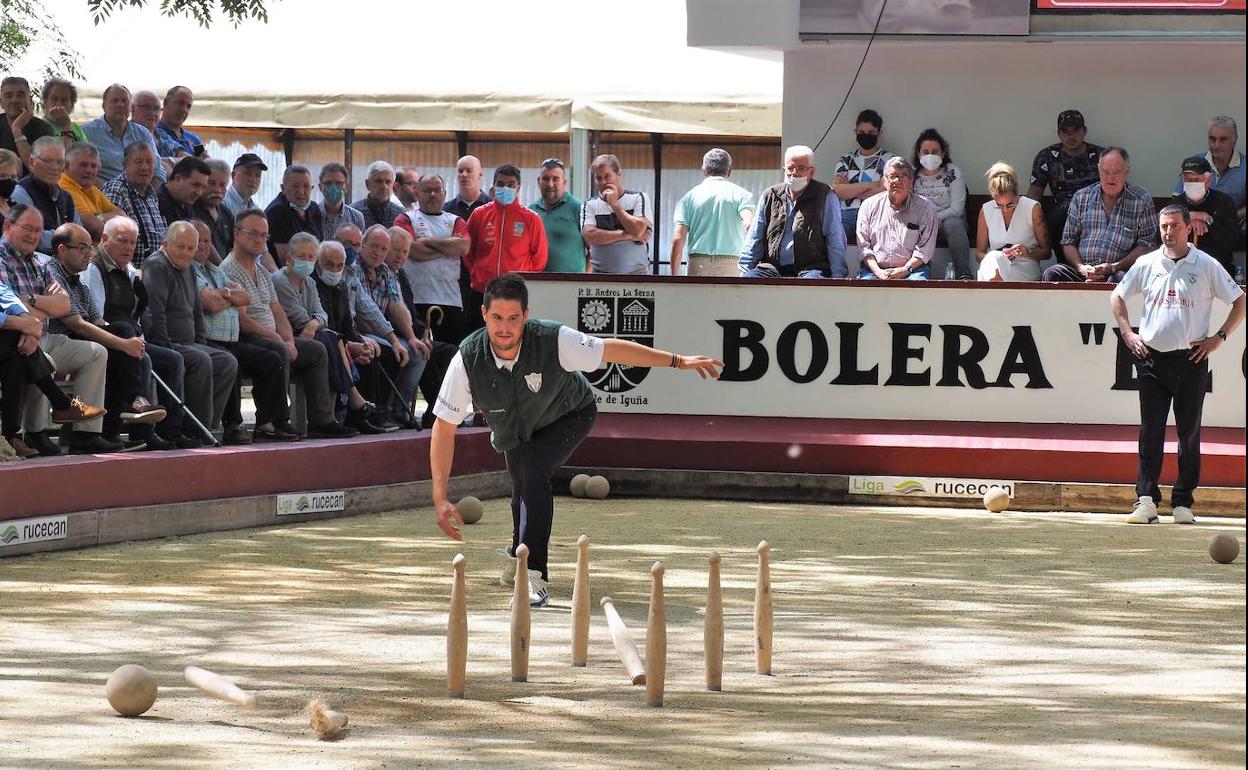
(1011, 238)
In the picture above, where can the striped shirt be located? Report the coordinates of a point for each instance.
(1100, 238)
(222, 326)
(144, 209)
(81, 303)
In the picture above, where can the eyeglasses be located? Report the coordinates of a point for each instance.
(53, 162)
(29, 229)
(253, 233)
(549, 162)
(797, 169)
(81, 248)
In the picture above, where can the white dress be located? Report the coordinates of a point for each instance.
(1018, 232)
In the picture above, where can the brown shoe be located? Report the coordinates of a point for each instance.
(142, 411)
(78, 411)
(21, 449)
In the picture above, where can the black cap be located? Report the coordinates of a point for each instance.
(1071, 119)
(250, 159)
(1196, 165)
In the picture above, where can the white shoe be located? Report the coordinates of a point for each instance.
(538, 597)
(508, 576)
(1145, 512)
(1183, 515)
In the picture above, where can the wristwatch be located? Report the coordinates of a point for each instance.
(1221, 334)
(32, 300)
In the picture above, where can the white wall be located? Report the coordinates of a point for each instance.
(999, 100)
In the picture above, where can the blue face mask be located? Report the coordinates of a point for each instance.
(299, 208)
(352, 256)
(302, 267)
(505, 195)
(331, 279)
(332, 193)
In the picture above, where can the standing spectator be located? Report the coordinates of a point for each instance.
(798, 230)
(616, 223)
(245, 181)
(292, 211)
(439, 244)
(468, 177)
(41, 188)
(134, 193)
(713, 219)
(1226, 162)
(335, 213)
(1179, 284)
(59, 99)
(1108, 227)
(376, 206)
(942, 183)
(1065, 168)
(504, 236)
(212, 211)
(897, 229)
(1010, 237)
(172, 139)
(860, 174)
(560, 211)
(113, 132)
(1215, 228)
(19, 128)
(186, 183)
(405, 181)
(82, 166)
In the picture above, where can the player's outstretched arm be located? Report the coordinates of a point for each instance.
(441, 455)
(618, 351)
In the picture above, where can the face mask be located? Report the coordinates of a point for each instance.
(332, 193)
(867, 141)
(302, 267)
(505, 195)
(331, 279)
(1195, 191)
(7, 186)
(930, 162)
(299, 208)
(352, 255)
(796, 183)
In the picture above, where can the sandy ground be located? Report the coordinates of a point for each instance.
(904, 638)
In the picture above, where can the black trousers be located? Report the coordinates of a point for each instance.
(451, 328)
(17, 370)
(1166, 379)
(531, 464)
(1055, 221)
(435, 371)
(268, 383)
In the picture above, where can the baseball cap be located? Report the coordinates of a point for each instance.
(1196, 165)
(250, 159)
(1071, 119)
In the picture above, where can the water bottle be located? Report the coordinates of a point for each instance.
(949, 274)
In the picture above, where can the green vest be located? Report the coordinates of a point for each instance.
(535, 393)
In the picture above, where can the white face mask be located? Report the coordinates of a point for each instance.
(1195, 191)
(931, 162)
(796, 183)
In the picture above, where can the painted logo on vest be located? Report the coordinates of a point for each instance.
(626, 318)
(534, 381)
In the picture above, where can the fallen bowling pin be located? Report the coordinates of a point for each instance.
(219, 687)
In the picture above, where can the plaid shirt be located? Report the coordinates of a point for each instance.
(222, 326)
(1101, 239)
(364, 311)
(383, 289)
(144, 209)
(81, 303)
(27, 274)
(346, 216)
(377, 213)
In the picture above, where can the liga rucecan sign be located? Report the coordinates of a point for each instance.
(851, 351)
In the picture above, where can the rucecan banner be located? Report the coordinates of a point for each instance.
(840, 350)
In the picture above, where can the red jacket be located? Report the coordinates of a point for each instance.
(521, 247)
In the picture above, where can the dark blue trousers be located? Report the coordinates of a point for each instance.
(1168, 379)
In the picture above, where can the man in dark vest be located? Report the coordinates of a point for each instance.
(526, 377)
(797, 232)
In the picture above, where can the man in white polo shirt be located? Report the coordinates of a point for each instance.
(1179, 283)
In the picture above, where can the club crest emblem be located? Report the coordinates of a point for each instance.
(630, 318)
(534, 381)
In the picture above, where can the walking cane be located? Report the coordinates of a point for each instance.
(182, 405)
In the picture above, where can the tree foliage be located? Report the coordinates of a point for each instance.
(202, 11)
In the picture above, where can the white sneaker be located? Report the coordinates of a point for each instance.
(1145, 512)
(1183, 515)
(537, 591)
(508, 576)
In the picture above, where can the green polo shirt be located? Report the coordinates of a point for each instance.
(565, 248)
(712, 213)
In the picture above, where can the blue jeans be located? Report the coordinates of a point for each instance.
(849, 219)
(922, 274)
(409, 376)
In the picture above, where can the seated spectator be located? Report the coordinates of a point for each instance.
(561, 217)
(439, 243)
(41, 188)
(212, 211)
(59, 99)
(221, 299)
(292, 211)
(1065, 168)
(264, 323)
(82, 166)
(186, 183)
(860, 174)
(712, 219)
(1010, 238)
(245, 179)
(1108, 227)
(798, 232)
(1226, 163)
(377, 207)
(30, 277)
(405, 179)
(173, 141)
(616, 224)
(897, 229)
(299, 297)
(175, 319)
(335, 213)
(1215, 226)
(10, 168)
(942, 183)
(121, 297)
(112, 134)
(19, 128)
(351, 238)
(136, 195)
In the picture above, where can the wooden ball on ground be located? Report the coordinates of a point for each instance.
(471, 509)
(597, 488)
(131, 690)
(1223, 548)
(996, 499)
(577, 486)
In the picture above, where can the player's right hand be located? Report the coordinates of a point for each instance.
(450, 520)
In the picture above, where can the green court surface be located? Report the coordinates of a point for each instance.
(904, 638)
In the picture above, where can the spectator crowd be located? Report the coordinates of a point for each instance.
(150, 273)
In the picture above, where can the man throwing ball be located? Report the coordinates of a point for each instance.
(526, 377)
